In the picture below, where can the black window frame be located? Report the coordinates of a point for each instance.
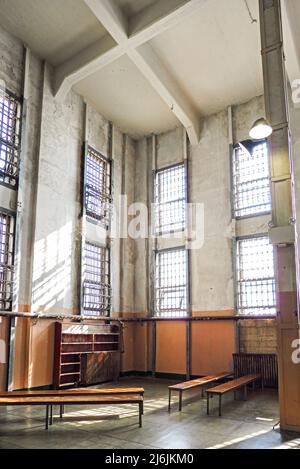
(159, 227)
(97, 200)
(251, 212)
(175, 289)
(260, 283)
(101, 287)
(10, 138)
(7, 258)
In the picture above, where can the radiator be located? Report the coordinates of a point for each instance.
(263, 363)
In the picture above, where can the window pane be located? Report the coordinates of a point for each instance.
(171, 283)
(170, 199)
(96, 286)
(6, 261)
(251, 181)
(97, 189)
(255, 276)
(10, 116)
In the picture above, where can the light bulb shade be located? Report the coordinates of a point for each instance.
(261, 129)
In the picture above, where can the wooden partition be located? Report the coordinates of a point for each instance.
(212, 346)
(4, 335)
(171, 347)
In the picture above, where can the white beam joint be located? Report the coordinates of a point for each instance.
(149, 23)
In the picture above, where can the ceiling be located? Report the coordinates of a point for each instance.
(133, 7)
(124, 96)
(54, 29)
(213, 56)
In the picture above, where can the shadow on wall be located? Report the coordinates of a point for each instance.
(52, 269)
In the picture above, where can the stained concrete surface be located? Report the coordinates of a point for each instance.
(244, 424)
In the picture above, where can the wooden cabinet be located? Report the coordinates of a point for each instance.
(86, 354)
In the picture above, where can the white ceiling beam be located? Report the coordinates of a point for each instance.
(83, 64)
(159, 17)
(149, 23)
(150, 66)
(164, 84)
(112, 18)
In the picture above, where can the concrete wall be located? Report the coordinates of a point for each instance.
(50, 229)
(11, 60)
(56, 238)
(258, 336)
(212, 274)
(49, 225)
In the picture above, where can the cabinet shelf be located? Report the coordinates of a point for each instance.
(70, 374)
(77, 343)
(70, 363)
(74, 342)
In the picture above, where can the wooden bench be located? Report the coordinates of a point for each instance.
(86, 399)
(194, 383)
(232, 385)
(75, 392)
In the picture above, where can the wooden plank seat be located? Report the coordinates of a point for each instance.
(75, 392)
(232, 385)
(199, 382)
(49, 400)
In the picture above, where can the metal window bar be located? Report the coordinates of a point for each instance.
(251, 181)
(98, 187)
(10, 130)
(6, 261)
(256, 290)
(170, 283)
(170, 199)
(96, 286)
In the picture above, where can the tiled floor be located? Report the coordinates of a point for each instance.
(244, 424)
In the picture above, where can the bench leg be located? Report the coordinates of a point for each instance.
(245, 392)
(220, 405)
(51, 415)
(140, 414)
(47, 417)
(142, 395)
(207, 401)
(180, 401)
(169, 406)
(61, 411)
(202, 392)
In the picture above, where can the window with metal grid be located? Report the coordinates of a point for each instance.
(97, 186)
(170, 199)
(96, 285)
(6, 260)
(10, 125)
(255, 276)
(251, 181)
(171, 283)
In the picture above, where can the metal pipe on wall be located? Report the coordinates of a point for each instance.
(152, 250)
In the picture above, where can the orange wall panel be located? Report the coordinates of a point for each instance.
(21, 354)
(141, 347)
(41, 351)
(213, 344)
(171, 347)
(127, 358)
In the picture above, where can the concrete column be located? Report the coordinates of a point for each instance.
(282, 232)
